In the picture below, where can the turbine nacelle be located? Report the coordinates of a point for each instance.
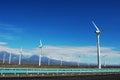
(97, 32)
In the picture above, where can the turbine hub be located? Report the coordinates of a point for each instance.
(97, 32)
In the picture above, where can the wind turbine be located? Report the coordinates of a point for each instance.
(4, 55)
(78, 61)
(104, 56)
(61, 62)
(20, 56)
(40, 46)
(10, 58)
(49, 60)
(98, 44)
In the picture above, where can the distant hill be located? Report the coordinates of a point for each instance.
(32, 59)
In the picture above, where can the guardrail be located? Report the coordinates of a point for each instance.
(56, 70)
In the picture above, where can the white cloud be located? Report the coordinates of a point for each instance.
(8, 49)
(6, 36)
(9, 32)
(3, 43)
(11, 28)
(69, 53)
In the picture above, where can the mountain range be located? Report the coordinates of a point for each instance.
(32, 59)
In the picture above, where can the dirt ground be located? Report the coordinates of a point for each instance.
(80, 77)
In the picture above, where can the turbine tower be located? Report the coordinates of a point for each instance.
(10, 58)
(20, 56)
(49, 60)
(98, 44)
(61, 62)
(104, 56)
(4, 55)
(78, 61)
(40, 46)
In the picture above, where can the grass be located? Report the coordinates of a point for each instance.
(14, 65)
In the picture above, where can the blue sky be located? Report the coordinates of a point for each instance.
(57, 23)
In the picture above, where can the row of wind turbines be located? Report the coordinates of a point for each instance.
(20, 55)
(98, 32)
(10, 57)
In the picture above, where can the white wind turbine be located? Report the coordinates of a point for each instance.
(78, 61)
(4, 55)
(20, 56)
(104, 56)
(40, 55)
(49, 60)
(10, 57)
(98, 44)
(61, 61)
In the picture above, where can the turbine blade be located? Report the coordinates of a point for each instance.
(95, 26)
